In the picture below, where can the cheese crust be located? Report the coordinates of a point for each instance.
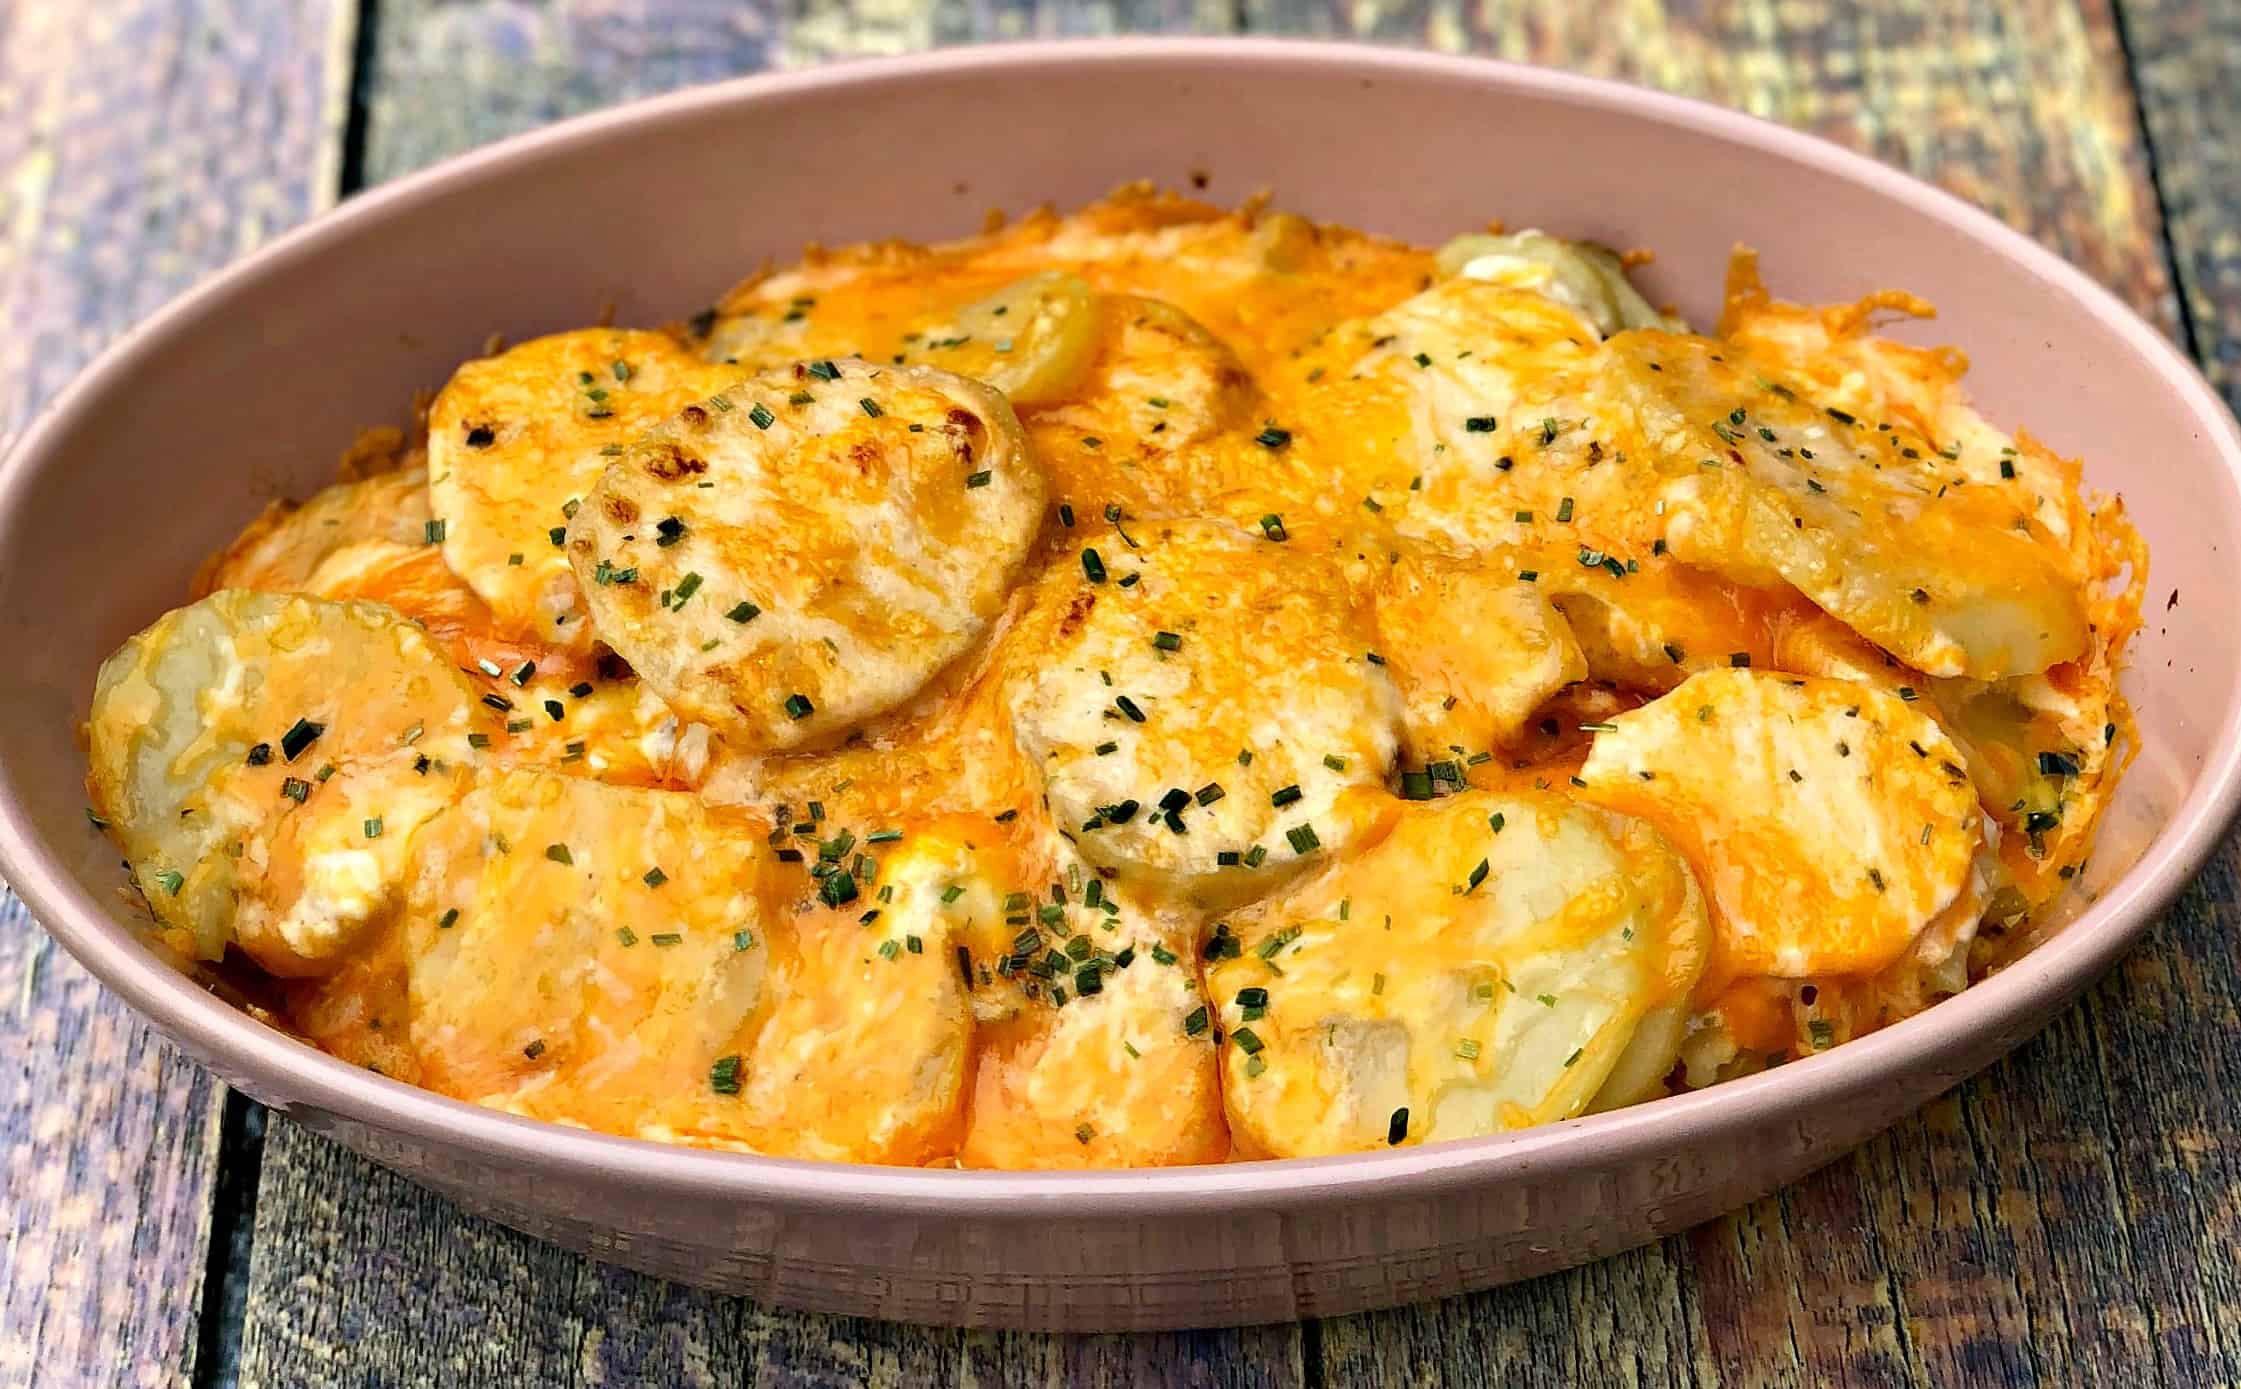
(1143, 686)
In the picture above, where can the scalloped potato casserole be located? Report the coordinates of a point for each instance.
(1155, 685)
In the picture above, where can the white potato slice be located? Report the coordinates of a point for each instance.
(808, 549)
(285, 546)
(1652, 627)
(1486, 966)
(415, 581)
(865, 1055)
(1468, 412)
(1829, 820)
(1086, 1055)
(1159, 386)
(1765, 489)
(1204, 708)
(1473, 649)
(516, 441)
(265, 759)
(1032, 339)
(1581, 275)
(586, 952)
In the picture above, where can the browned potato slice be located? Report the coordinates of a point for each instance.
(805, 550)
(517, 440)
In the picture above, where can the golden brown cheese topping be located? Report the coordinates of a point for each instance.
(1154, 685)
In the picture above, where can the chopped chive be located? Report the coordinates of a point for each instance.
(723, 1076)
(302, 735)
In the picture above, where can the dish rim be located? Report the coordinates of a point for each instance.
(110, 949)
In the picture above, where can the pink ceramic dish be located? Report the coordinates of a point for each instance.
(252, 384)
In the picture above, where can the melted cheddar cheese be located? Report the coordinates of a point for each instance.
(1147, 686)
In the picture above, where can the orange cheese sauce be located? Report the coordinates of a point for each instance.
(997, 987)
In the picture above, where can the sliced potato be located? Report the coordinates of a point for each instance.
(1160, 386)
(586, 952)
(265, 759)
(1581, 275)
(1204, 708)
(1765, 489)
(1465, 413)
(285, 546)
(517, 440)
(415, 581)
(1087, 1058)
(1473, 648)
(806, 550)
(1486, 966)
(865, 1055)
(1829, 820)
(1032, 339)
(1650, 627)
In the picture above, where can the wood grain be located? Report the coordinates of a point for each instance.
(143, 143)
(452, 74)
(2186, 58)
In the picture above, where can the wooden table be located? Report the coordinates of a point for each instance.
(2069, 1218)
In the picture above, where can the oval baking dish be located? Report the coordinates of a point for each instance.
(245, 388)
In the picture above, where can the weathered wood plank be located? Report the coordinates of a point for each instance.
(2186, 59)
(361, 1278)
(2023, 108)
(142, 144)
(460, 73)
